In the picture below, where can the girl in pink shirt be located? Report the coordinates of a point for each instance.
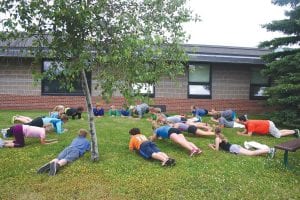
(20, 131)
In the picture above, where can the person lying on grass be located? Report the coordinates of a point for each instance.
(76, 149)
(193, 129)
(20, 131)
(222, 143)
(264, 127)
(56, 123)
(147, 149)
(175, 135)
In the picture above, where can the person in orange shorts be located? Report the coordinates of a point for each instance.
(264, 127)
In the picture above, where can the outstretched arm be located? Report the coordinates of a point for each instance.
(244, 133)
(216, 145)
(49, 141)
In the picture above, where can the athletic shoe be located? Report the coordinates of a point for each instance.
(44, 168)
(53, 168)
(1, 143)
(13, 119)
(170, 162)
(4, 132)
(297, 133)
(272, 153)
(246, 145)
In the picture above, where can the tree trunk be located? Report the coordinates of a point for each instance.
(94, 150)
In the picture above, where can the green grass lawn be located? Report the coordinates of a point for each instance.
(120, 174)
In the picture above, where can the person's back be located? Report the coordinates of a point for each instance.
(81, 144)
(258, 126)
(228, 114)
(136, 141)
(163, 131)
(34, 131)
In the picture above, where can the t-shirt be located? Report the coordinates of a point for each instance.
(81, 144)
(162, 131)
(136, 141)
(34, 131)
(182, 126)
(98, 112)
(228, 115)
(258, 126)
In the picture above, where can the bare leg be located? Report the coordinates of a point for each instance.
(180, 139)
(200, 132)
(23, 119)
(257, 152)
(159, 156)
(285, 132)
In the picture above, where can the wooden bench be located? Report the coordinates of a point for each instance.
(292, 145)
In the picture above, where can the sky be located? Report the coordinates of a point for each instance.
(233, 22)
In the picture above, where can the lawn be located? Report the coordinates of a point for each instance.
(120, 174)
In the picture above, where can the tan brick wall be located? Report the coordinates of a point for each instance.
(230, 81)
(230, 89)
(16, 77)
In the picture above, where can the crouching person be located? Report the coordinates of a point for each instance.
(21, 131)
(71, 153)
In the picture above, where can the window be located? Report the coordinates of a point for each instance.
(258, 84)
(144, 89)
(56, 87)
(199, 85)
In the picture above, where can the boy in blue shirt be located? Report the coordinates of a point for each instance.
(77, 148)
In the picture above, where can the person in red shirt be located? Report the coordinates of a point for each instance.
(147, 149)
(264, 127)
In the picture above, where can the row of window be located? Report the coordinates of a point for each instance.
(199, 83)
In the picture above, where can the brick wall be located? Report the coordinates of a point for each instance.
(230, 89)
(230, 81)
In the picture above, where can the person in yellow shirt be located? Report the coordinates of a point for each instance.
(147, 149)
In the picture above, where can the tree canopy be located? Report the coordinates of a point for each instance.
(283, 65)
(122, 42)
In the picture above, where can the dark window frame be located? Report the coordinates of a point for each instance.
(255, 85)
(193, 96)
(60, 92)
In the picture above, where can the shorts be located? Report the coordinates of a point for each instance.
(234, 148)
(69, 153)
(147, 149)
(173, 130)
(192, 129)
(36, 122)
(273, 130)
(226, 123)
(17, 131)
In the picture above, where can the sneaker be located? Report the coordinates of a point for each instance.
(272, 153)
(297, 133)
(13, 119)
(44, 168)
(4, 132)
(1, 143)
(53, 168)
(246, 145)
(172, 161)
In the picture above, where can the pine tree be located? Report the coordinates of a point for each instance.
(283, 66)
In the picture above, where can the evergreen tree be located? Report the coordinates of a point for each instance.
(283, 66)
